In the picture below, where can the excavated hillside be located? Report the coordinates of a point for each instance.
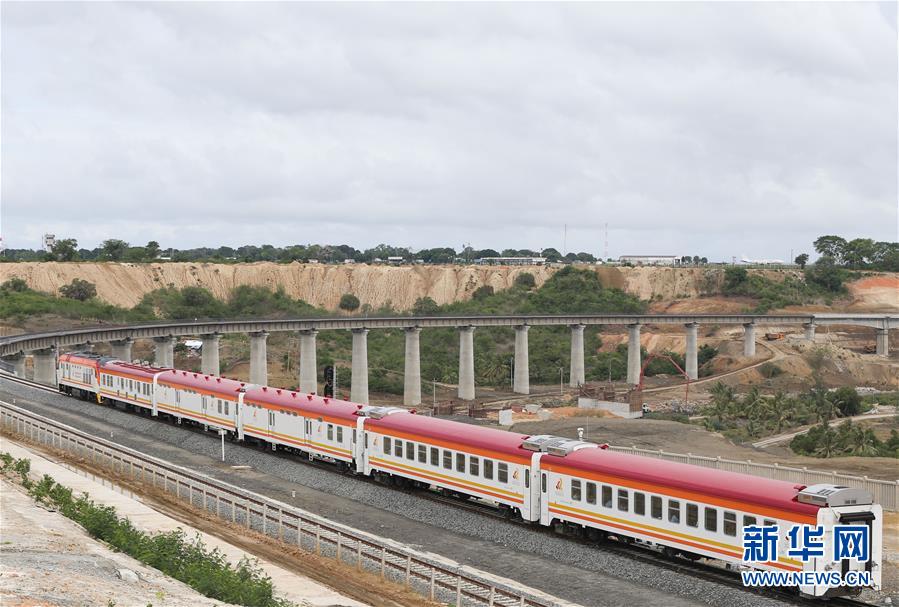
(124, 284)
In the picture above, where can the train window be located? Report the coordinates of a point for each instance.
(749, 521)
(410, 450)
(398, 448)
(422, 454)
(502, 472)
(474, 466)
(606, 496)
(770, 523)
(386, 445)
(730, 523)
(447, 459)
(591, 493)
(692, 515)
(655, 507)
(488, 469)
(226, 408)
(435, 456)
(543, 485)
(711, 519)
(339, 434)
(622, 500)
(460, 462)
(219, 405)
(576, 490)
(330, 432)
(639, 503)
(674, 511)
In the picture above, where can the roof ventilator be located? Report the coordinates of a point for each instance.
(554, 445)
(825, 495)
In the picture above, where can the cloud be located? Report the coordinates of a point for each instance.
(707, 129)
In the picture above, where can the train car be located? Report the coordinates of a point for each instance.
(128, 383)
(694, 511)
(78, 374)
(316, 426)
(460, 459)
(207, 400)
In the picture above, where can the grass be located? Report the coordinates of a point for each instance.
(173, 553)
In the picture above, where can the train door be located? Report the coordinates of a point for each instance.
(530, 510)
(359, 446)
(238, 415)
(204, 410)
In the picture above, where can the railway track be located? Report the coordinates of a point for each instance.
(637, 552)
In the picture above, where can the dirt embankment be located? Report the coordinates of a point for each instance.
(322, 285)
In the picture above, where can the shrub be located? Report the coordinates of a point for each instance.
(770, 370)
(525, 280)
(81, 290)
(349, 302)
(14, 285)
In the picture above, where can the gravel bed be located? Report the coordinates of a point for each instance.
(570, 570)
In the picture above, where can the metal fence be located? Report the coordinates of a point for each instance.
(432, 576)
(886, 493)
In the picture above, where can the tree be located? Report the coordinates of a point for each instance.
(801, 260)
(81, 290)
(551, 254)
(696, 260)
(826, 274)
(113, 249)
(847, 401)
(703, 260)
(65, 249)
(831, 246)
(152, 249)
(349, 302)
(859, 252)
(425, 306)
(525, 280)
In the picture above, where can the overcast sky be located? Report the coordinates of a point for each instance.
(714, 129)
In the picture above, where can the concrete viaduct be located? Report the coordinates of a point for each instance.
(44, 346)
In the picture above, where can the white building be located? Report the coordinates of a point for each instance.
(650, 260)
(49, 242)
(512, 261)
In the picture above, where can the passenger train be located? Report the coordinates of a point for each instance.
(576, 487)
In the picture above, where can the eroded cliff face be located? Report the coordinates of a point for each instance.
(124, 284)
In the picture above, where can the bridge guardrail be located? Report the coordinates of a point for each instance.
(430, 575)
(886, 493)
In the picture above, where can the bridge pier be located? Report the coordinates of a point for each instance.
(883, 342)
(45, 366)
(18, 364)
(576, 373)
(691, 358)
(809, 331)
(209, 356)
(308, 363)
(164, 351)
(633, 354)
(466, 362)
(412, 368)
(359, 379)
(522, 380)
(749, 339)
(121, 349)
(259, 358)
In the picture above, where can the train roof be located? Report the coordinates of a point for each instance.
(300, 401)
(200, 382)
(131, 369)
(84, 358)
(724, 485)
(466, 436)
